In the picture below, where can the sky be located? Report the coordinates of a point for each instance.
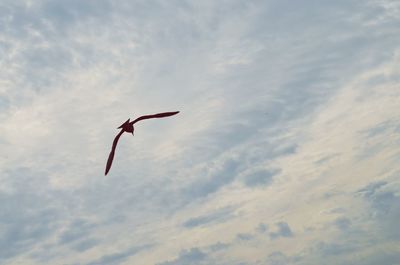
(286, 149)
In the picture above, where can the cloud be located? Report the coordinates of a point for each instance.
(378, 130)
(222, 176)
(219, 216)
(118, 257)
(85, 244)
(78, 229)
(218, 247)
(334, 249)
(282, 231)
(342, 223)
(191, 256)
(244, 236)
(372, 188)
(384, 208)
(358, 240)
(380, 257)
(262, 228)
(278, 258)
(205, 255)
(28, 216)
(260, 178)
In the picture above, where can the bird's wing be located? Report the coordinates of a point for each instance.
(111, 156)
(158, 115)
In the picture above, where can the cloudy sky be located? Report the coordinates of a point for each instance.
(286, 149)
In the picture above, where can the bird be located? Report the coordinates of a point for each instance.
(128, 127)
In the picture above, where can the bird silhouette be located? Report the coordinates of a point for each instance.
(128, 127)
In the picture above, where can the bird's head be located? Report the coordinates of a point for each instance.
(127, 127)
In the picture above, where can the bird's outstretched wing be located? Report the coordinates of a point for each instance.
(158, 115)
(111, 156)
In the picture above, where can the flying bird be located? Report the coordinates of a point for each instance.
(128, 127)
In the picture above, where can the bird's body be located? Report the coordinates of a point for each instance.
(128, 127)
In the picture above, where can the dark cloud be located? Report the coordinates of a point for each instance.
(262, 228)
(219, 216)
(279, 258)
(384, 203)
(342, 223)
(28, 215)
(260, 178)
(218, 247)
(204, 256)
(188, 257)
(356, 245)
(378, 130)
(85, 244)
(378, 257)
(78, 229)
(244, 236)
(25, 228)
(325, 159)
(371, 188)
(212, 183)
(119, 257)
(282, 231)
(334, 249)
(337, 210)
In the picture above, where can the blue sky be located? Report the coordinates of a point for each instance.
(285, 151)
